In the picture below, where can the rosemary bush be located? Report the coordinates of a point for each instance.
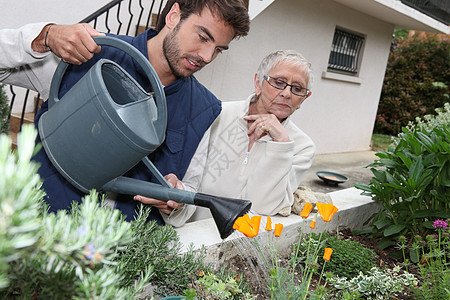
(90, 253)
(159, 247)
(56, 255)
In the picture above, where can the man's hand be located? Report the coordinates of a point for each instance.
(72, 43)
(164, 206)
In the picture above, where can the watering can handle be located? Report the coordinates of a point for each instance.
(160, 123)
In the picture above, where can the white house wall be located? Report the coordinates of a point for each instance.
(20, 12)
(339, 116)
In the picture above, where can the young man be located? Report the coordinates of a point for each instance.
(190, 35)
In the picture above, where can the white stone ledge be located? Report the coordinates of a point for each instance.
(354, 210)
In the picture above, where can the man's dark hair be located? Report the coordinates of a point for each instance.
(233, 12)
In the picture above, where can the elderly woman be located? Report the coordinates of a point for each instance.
(255, 151)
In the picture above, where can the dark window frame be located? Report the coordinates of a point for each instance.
(346, 50)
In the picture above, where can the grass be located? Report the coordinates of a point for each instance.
(381, 141)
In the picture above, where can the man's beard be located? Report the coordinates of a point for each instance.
(172, 53)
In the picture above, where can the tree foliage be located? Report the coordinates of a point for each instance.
(4, 110)
(416, 82)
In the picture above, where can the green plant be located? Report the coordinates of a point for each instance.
(377, 284)
(293, 280)
(89, 253)
(211, 286)
(429, 122)
(19, 202)
(349, 258)
(433, 258)
(400, 34)
(411, 181)
(55, 255)
(415, 83)
(159, 246)
(4, 111)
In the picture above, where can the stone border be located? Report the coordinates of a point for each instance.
(354, 210)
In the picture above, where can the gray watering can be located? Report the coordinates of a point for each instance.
(107, 123)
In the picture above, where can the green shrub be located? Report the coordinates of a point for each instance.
(349, 258)
(415, 83)
(211, 286)
(54, 255)
(376, 284)
(411, 180)
(4, 111)
(159, 247)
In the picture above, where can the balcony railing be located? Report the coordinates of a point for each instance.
(437, 9)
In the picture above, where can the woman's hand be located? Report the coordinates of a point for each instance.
(262, 124)
(164, 206)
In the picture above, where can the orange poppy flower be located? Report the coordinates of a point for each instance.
(313, 222)
(269, 224)
(326, 211)
(249, 227)
(306, 210)
(239, 222)
(256, 221)
(278, 229)
(327, 253)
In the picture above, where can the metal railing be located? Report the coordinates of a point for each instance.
(111, 19)
(437, 9)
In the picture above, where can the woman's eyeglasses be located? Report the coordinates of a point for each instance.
(281, 85)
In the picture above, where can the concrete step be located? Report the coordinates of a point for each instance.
(354, 210)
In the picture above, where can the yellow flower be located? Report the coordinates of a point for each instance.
(269, 224)
(327, 253)
(326, 211)
(306, 210)
(278, 229)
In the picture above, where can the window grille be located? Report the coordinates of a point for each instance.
(345, 51)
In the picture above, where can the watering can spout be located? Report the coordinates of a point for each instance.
(225, 211)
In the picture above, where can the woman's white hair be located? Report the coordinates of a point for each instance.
(281, 56)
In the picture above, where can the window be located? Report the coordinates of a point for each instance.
(345, 52)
